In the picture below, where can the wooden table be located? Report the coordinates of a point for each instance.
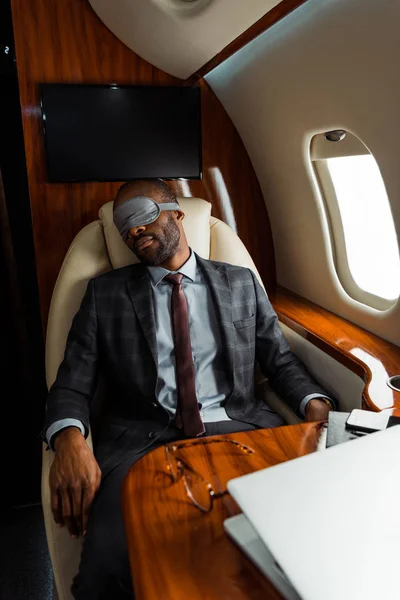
(176, 552)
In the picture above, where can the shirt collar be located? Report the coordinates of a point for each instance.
(188, 269)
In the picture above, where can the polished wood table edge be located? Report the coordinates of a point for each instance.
(372, 358)
(274, 15)
(175, 551)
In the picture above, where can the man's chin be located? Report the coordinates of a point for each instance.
(150, 257)
(149, 261)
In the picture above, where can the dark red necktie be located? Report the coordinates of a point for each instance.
(187, 412)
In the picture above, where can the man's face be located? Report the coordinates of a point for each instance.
(157, 242)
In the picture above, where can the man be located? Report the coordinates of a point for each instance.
(175, 339)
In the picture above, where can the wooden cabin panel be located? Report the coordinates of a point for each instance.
(64, 41)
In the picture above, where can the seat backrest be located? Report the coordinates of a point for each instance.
(98, 248)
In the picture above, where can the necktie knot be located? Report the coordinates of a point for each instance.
(174, 278)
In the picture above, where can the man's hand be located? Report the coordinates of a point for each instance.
(74, 481)
(317, 410)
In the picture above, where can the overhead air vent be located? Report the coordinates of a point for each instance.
(183, 5)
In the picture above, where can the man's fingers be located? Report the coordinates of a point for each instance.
(56, 506)
(68, 514)
(75, 493)
(88, 495)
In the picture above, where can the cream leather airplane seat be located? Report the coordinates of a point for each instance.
(96, 249)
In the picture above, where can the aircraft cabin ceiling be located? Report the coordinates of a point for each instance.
(179, 36)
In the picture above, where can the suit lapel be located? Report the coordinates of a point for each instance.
(218, 281)
(140, 293)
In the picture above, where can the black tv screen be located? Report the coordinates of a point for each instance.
(117, 133)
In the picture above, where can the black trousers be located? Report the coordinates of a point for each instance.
(104, 572)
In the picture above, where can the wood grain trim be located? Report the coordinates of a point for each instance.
(373, 358)
(280, 11)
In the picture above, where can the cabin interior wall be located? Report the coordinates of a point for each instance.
(330, 64)
(64, 41)
(159, 32)
(23, 388)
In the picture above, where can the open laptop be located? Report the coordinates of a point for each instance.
(326, 526)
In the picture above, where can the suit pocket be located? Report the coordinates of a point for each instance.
(247, 322)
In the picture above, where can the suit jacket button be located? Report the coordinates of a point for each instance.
(152, 435)
(154, 404)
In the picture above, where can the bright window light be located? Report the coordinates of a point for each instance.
(369, 232)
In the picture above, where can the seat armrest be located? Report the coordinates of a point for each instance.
(265, 392)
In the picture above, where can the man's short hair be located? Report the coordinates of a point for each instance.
(167, 195)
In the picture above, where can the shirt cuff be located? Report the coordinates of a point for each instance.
(62, 424)
(306, 400)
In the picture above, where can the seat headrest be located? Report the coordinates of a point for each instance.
(196, 225)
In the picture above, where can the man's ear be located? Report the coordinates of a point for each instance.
(180, 215)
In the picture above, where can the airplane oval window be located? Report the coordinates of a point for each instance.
(364, 241)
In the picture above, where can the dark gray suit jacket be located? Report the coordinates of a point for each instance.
(114, 334)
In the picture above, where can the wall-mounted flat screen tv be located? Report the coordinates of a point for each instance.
(117, 133)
